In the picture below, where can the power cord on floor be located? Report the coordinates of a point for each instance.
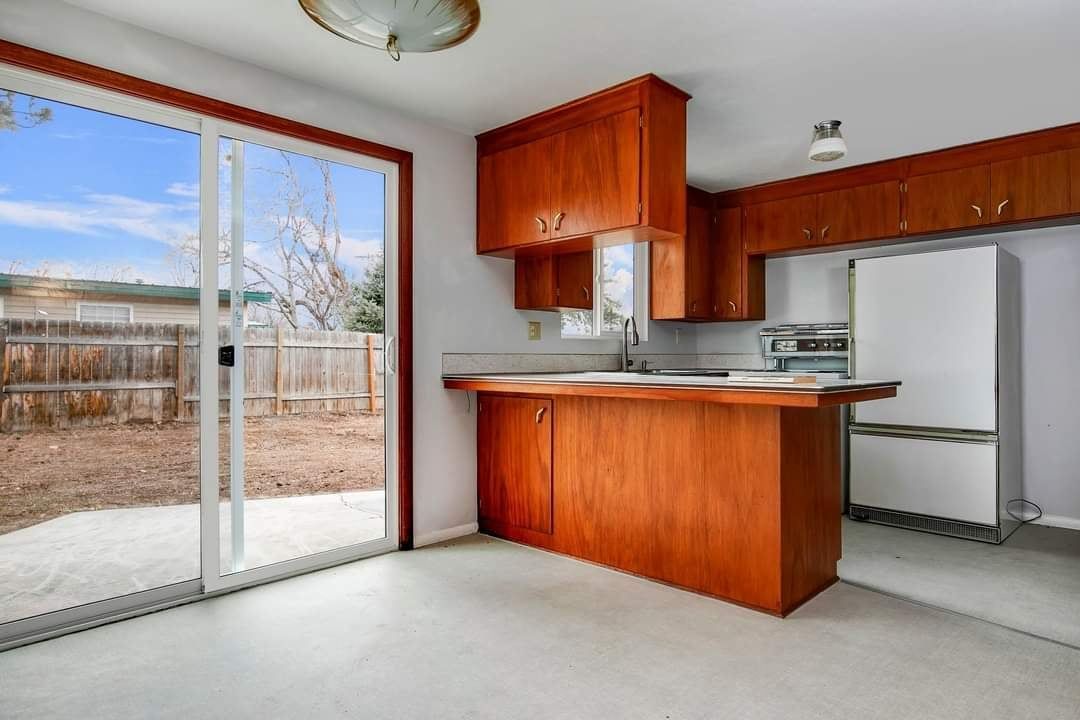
(1020, 517)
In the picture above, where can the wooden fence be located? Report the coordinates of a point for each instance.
(61, 374)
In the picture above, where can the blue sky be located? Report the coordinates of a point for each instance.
(97, 196)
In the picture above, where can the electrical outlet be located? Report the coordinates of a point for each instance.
(534, 330)
(678, 335)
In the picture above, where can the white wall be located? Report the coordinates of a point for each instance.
(813, 288)
(462, 303)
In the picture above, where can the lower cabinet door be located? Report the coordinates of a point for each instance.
(514, 472)
(953, 480)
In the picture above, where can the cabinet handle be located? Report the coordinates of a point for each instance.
(543, 225)
(824, 232)
(540, 415)
(734, 307)
(586, 291)
(693, 306)
(558, 220)
(808, 233)
(977, 209)
(715, 309)
(1002, 204)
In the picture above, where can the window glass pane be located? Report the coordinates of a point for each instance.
(618, 286)
(577, 323)
(98, 227)
(105, 313)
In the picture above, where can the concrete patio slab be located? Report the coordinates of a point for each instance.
(89, 556)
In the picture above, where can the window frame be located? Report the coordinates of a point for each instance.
(641, 297)
(83, 303)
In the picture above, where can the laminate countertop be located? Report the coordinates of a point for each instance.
(820, 393)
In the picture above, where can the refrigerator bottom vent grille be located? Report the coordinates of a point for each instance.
(910, 521)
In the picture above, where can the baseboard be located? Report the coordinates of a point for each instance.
(1059, 521)
(443, 535)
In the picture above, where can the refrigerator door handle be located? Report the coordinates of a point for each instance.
(938, 434)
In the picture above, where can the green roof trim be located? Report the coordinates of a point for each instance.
(158, 292)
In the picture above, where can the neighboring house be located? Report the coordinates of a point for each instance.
(29, 297)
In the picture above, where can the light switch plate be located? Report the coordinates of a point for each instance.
(534, 330)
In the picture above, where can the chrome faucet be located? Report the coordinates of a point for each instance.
(629, 326)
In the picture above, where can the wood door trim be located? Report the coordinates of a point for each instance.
(80, 72)
(766, 396)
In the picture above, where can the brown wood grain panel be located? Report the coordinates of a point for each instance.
(555, 282)
(765, 396)
(637, 506)
(742, 504)
(579, 111)
(515, 190)
(698, 301)
(781, 224)
(514, 471)
(1074, 180)
(663, 159)
(594, 175)
(866, 212)
(809, 501)
(728, 265)
(948, 200)
(1030, 187)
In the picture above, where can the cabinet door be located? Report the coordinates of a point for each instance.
(1074, 180)
(575, 280)
(948, 200)
(698, 280)
(781, 224)
(596, 176)
(728, 263)
(867, 212)
(513, 462)
(1034, 186)
(514, 196)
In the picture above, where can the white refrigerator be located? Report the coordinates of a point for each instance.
(944, 455)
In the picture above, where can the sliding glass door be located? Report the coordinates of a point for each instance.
(307, 385)
(197, 326)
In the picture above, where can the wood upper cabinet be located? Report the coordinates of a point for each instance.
(680, 277)
(864, 212)
(606, 169)
(514, 471)
(554, 282)
(1030, 187)
(514, 196)
(948, 200)
(595, 174)
(781, 224)
(738, 280)
(1074, 180)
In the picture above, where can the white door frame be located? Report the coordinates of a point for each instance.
(213, 580)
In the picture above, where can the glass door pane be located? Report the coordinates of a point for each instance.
(303, 448)
(99, 313)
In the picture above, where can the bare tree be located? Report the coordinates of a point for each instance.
(300, 266)
(12, 118)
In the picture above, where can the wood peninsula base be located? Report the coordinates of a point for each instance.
(739, 501)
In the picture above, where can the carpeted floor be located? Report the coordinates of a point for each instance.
(1031, 582)
(480, 628)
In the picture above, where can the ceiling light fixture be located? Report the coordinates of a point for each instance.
(827, 143)
(398, 26)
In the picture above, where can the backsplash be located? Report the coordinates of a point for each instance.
(455, 363)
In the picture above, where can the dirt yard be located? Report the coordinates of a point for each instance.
(45, 474)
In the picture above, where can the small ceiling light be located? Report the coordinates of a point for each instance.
(398, 26)
(827, 144)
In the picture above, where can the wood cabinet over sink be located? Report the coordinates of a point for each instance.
(606, 169)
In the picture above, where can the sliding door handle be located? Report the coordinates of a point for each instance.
(389, 361)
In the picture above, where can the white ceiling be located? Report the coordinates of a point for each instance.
(903, 75)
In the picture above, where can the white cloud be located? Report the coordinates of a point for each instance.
(5, 189)
(100, 214)
(183, 189)
(620, 286)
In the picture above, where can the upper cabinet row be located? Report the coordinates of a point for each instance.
(606, 169)
(929, 194)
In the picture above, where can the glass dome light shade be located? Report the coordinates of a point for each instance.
(398, 25)
(827, 143)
